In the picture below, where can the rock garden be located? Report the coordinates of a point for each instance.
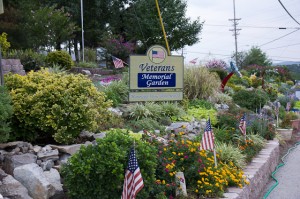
(68, 135)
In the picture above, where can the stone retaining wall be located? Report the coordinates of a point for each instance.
(258, 173)
(12, 65)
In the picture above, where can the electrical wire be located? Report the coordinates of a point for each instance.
(288, 12)
(279, 38)
(248, 26)
(283, 46)
(276, 169)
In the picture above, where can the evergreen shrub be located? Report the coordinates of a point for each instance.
(55, 104)
(60, 57)
(6, 111)
(98, 170)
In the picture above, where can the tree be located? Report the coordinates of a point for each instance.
(49, 27)
(141, 24)
(255, 56)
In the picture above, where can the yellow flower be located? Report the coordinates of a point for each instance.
(171, 174)
(196, 191)
(165, 149)
(163, 182)
(174, 153)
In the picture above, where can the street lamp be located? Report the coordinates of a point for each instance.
(82, 31)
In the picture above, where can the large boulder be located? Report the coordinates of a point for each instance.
(11, 188)
(54, 178)
(13, 161)
(34, 179)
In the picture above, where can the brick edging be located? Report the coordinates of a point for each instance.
(258, 173)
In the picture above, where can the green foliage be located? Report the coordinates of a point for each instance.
(198, 103)
(148, 124)
(297, 105)
(225, 134)
(87, 65)
(286, 122)
(251, 145)
(29, 59)
(138, 111)
(263, 128)
(202, 113)
(6, 111)
(251, 100)
(4, 43)
(229, 153)
(98, 170)
(221, 72)
(227, 119)
(172, 109)
(55, 104)
(90, 55)
(222, 98)
(199, 83)
(60, 57)
(116, 91)
(256, 56)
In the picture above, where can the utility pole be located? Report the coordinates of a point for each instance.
(235, 33)
(82, 31)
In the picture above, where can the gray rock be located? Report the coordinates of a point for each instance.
(34, 179)
(64, 158)
(13, 161)
(86, 72)
(70, 149)
(46, 166)
(37, 148)
(86, 134)
(11, 144)
(48, 155)
(13, 189)
(99, 135)
(54, 178)
(47, 148)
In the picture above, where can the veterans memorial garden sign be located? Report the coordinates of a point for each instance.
(156, 76)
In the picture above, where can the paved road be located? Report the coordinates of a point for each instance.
(288, 177)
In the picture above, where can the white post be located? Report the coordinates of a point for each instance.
(181, 190)
(215, 156)
(82, 31)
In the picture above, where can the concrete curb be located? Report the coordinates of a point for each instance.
(258, 173)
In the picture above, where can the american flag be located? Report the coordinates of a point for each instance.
(158, 54)
(133, 181)
(194, 61)
(117, 62)
(207, 142)
(242, 124)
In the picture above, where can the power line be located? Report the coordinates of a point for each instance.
(279, 37)
(288, 12)
(283, 46)
(263, 27)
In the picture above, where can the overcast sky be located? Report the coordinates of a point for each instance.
(260, 22)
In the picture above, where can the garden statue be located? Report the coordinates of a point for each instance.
(233, 69)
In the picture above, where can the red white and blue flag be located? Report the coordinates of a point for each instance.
(117, 62)
(242, 124)
(194, 61)
(133, 181)
(158, 54)
(208, 139)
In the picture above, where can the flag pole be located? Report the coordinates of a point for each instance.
(215, 156)
(1, 70)
(162, 27)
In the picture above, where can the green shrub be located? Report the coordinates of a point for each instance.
(229, 153)
(227, 120)
(148, 124)
(90, 55)
(98, 170)
(251, 100)
(250, 146)
(61, 58)
(156, 110)
(221, 72)
(202, 113)
(116, 91)
(221, 98)
(6, 111)
(263, 128)
(198, 103)
(87, 65)
(138, 111)
(172, 109)
(199, 83)
(225, 135)
(286, 122)
(55, 104)
(29, 59)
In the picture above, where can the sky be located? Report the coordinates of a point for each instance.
(259, 24)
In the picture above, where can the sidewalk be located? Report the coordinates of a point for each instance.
(288, 176)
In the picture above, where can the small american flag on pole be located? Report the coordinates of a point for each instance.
(133, 181)
(194, 61)
(242, 124)
(117, 62)
(288, 106)
(207, 142)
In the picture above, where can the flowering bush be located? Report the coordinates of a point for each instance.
(202, 177)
